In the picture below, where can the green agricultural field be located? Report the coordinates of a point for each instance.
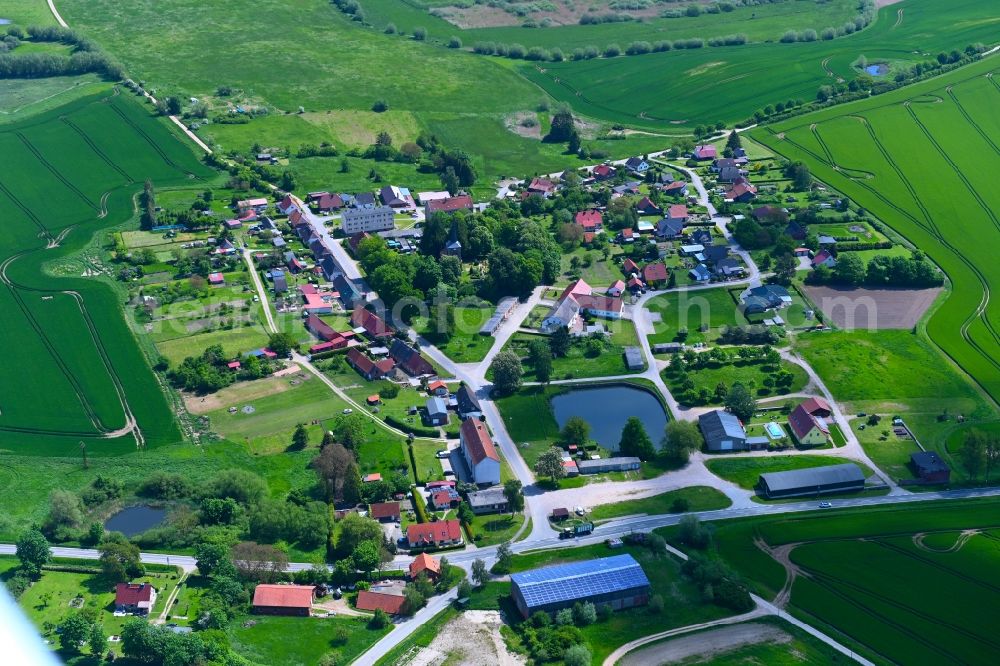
(745, 472)
(729, 83)
(89, 365)
(297, 641)
(918, 158)
(859, 568)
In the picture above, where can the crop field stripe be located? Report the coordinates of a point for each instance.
(930, 227)
(45, 233)
(93, 146)
(835, 587)
(972, 123)
(141, 132)
(55, 172)
(937, 565)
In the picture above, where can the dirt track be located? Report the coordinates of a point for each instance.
(862, 308)
(705, 644)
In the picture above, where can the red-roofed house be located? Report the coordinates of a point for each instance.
(603, 172)
(283, 599)
(438, 388)
(371, 322)
(628, 235)
(647, 207)
(372, 478)
(808, 429)
(373, 601)
(135, 598)
(817, 407)
(320, 328)
(590, 220)
(449, 205)
(287, 205)
(442, 499)
(216, 279)
(338, 342)
(708, 152)
(542, 186)
(384, 511)
(233, 365)
(434, 535)
(424, 563)
(824, 258)
(629, 267)
(616, 288)
(678, 187)
(609, 307)
(635, 284)
(741, 192)
(368, 368)
(479, 452)
(329, 202)
(654, 274)
(678, 212)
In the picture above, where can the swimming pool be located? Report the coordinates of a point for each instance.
(774, 431)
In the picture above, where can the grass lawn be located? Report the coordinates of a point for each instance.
(698, 498)
(593, 268)
(234, 341)
(300, 641)
(276, 413)
(428, 466)
(709, 308)
(891, 455)
(745, 472)
(682, 599)
(579, 362)
(536, 316)
(496, 528)
(465, 345)
(48, 601)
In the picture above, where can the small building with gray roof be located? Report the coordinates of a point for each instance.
(722, 431)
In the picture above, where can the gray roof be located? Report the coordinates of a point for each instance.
(669, 227)
(718, 425)
(700, 272)
(813, 477)
(436, 406)
(633, 357)
(928, 461)
(604, 463)
(487, 497)
(579, 580)
(467, 400)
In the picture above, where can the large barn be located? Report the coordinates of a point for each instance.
(812, 481)
(283, 599)
(616, 581)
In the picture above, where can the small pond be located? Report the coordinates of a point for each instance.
(606, 408)
(4, 21)
(135, 520)
(878, 69)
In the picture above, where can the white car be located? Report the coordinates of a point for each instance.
(825, 505)
(348, 410)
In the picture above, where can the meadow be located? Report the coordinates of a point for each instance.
(711, 309)
(89, 378)
(269, 639)
(729, 83)
(918, 158)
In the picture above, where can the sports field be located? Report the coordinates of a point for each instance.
(920, 159)
(682, 88)
(73, 371)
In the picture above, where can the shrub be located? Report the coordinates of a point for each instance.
(420, 34)
(612, 51)
(516, 51)
(789, 37)
(454, 43)
(380, 620)
(828, 34)
(380, 106)
(564, 617)
(577, 655)
(390, 28)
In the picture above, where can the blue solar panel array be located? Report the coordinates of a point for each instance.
(579, 580)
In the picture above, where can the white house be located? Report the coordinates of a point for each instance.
(479, 452)
(358, 220)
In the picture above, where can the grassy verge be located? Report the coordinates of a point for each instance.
(698, 498)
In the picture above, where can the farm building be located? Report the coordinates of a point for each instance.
(633, 358)
(467, 402)
(812, 481)
(371, 322)
(135, 598)
(479, 452)
(283, 599)
(616, 581)
(505, 306)
(448, 204)
(602, 465)
(929, 467)
(491, 500)
(437, 411)
(368, 368)
(381, 599)
(409, 359)
(722, 431)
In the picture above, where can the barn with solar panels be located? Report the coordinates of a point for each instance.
(615, 581)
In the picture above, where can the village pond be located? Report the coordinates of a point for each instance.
(606, 408)
(135, 520)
